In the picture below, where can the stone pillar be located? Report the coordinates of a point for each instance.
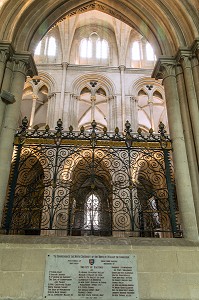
(110, 116)
(68, 110)
(195, 70)
(128, 108)
(134, 110)
(56, 108)
(189, 142)
(195, 66)
(74, 102)
(6, 85)
(32, 115)
(114, 113)
(150, 102)
(6, 52)
(50, 111)
(63, 86)
(191, 96)
(118, 112)
(122, 80)
(22, 63)
(165, 69)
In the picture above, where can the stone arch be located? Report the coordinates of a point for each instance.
(150, 110)
(141, 84)
(82, 81)
(49, 81)
(148, 175)
(102, 104)
(156, 21)
(28, 194)
(83, 185)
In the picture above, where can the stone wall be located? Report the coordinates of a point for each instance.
(167, 268)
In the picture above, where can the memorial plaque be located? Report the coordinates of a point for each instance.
(90, 276)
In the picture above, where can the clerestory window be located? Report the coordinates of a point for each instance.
(46, 46)
(149, 52)
(94, 49)
(38, 49)
(51, 46)
(136, 51)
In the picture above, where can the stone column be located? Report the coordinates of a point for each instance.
(165, 69)
(118, 112)
(68, 111)
(189, 142)
(195, 70)
(122, 80)
(134, 109)
(32, 115)
(150, 102)
(63, 86)
(6, 52)
(195, 66)
(110, 116)
(22, 63)
(74, 100)
(6, 84)
(50, 111)
(191, 96)
(129, 112)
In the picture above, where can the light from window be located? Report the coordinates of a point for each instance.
(51, 46)
(92, 212)
(38, 49)
(136, 51)
(149, 52)
(102, 49)
(86, 48)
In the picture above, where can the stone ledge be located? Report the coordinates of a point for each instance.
(94, 240)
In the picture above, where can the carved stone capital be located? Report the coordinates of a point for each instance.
(75, 97)
(134, 99)
(51, 95)
(24, 63)
(185, 61)
(6, 52)
(195, 48)
(4, 56)
(194, 61)
(165, 67)
(122, 68)
(184, 58)
(65, 65)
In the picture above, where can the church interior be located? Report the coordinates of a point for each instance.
(99, 143)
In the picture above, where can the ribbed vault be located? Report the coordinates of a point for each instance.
(167, 24)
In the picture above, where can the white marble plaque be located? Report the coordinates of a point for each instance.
(90, 276)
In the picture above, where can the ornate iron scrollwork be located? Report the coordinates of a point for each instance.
(82, 183)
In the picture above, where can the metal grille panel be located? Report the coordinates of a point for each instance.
(90, 183)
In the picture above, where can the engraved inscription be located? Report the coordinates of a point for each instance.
(100, 277)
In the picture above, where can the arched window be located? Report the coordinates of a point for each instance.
(51, 46)
(93, 49)
(92, 212)
(149, 52)
(102, 49)
(86, 48)
(38, 49)
(136, 51)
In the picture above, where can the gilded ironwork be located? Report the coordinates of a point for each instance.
(91, 183)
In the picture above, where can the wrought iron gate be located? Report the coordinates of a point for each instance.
(91, 183)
